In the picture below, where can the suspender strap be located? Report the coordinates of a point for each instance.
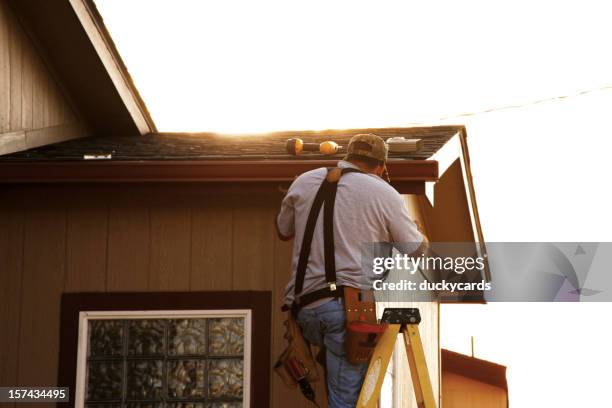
(326, 197)
(328, 234)
(307, 239)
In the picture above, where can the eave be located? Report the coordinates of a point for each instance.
(408, 176)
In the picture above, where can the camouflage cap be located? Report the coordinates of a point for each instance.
(368, 145)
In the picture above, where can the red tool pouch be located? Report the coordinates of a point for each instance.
(362, 329)
(361, 340)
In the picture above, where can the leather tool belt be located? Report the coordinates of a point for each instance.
(362, 329)
(296, 364)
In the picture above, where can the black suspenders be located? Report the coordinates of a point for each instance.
(326, 197)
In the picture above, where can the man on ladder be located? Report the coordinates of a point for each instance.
(331, 213)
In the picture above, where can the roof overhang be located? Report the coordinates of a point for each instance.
(259, 159)
(72, 39)
(408, 177)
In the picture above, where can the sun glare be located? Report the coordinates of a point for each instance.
(251, 66)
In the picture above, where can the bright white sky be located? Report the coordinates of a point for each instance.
(541, 172)
(244, 66)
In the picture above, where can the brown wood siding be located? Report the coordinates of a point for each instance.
(211, 256)
(170, 241)
(11, 268)
(129, 248)
(30, 97)
(72, 239)
(86, 248)
(459, 391)
(44, 266)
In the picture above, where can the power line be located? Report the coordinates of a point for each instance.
(518, 106)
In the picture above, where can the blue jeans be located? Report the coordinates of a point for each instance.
(325, 325)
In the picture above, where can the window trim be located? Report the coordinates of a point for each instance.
(259, 303)
(86, 316)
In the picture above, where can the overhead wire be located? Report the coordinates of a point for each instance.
(516, 106)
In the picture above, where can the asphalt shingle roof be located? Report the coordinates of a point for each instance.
(209, 146)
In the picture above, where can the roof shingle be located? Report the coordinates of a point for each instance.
(210, 146)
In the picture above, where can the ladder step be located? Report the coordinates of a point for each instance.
(401, 315)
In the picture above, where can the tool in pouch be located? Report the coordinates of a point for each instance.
(296, 364)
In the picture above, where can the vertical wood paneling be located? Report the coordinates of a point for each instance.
(58, 108)
(252, 244)
(53, 107)
(86, 251)
(45, 95)
(26, 85)
(11, 262)
(30, 98)
(68, 115)
(16, 74)
(5, 68)
(43, 281)
(282, 270)
(128, 248)
(170, 248)
(50, 107)
(37, 96)
(211, 252)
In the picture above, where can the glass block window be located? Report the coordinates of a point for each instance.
(163, 360)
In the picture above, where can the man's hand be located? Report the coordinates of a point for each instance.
(421, 229)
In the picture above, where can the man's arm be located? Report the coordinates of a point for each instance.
(280, 234)
(405, 233)
(285, 221)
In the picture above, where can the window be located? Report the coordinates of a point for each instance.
(164, 359)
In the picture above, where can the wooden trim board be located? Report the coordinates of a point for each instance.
(407, 175)
(113, 65)
(27, 139)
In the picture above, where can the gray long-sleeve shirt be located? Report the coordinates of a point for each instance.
(367, 210)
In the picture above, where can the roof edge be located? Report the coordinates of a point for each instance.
(409, 176)
(100, 38)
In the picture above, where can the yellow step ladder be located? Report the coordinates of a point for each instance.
(406, 321)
